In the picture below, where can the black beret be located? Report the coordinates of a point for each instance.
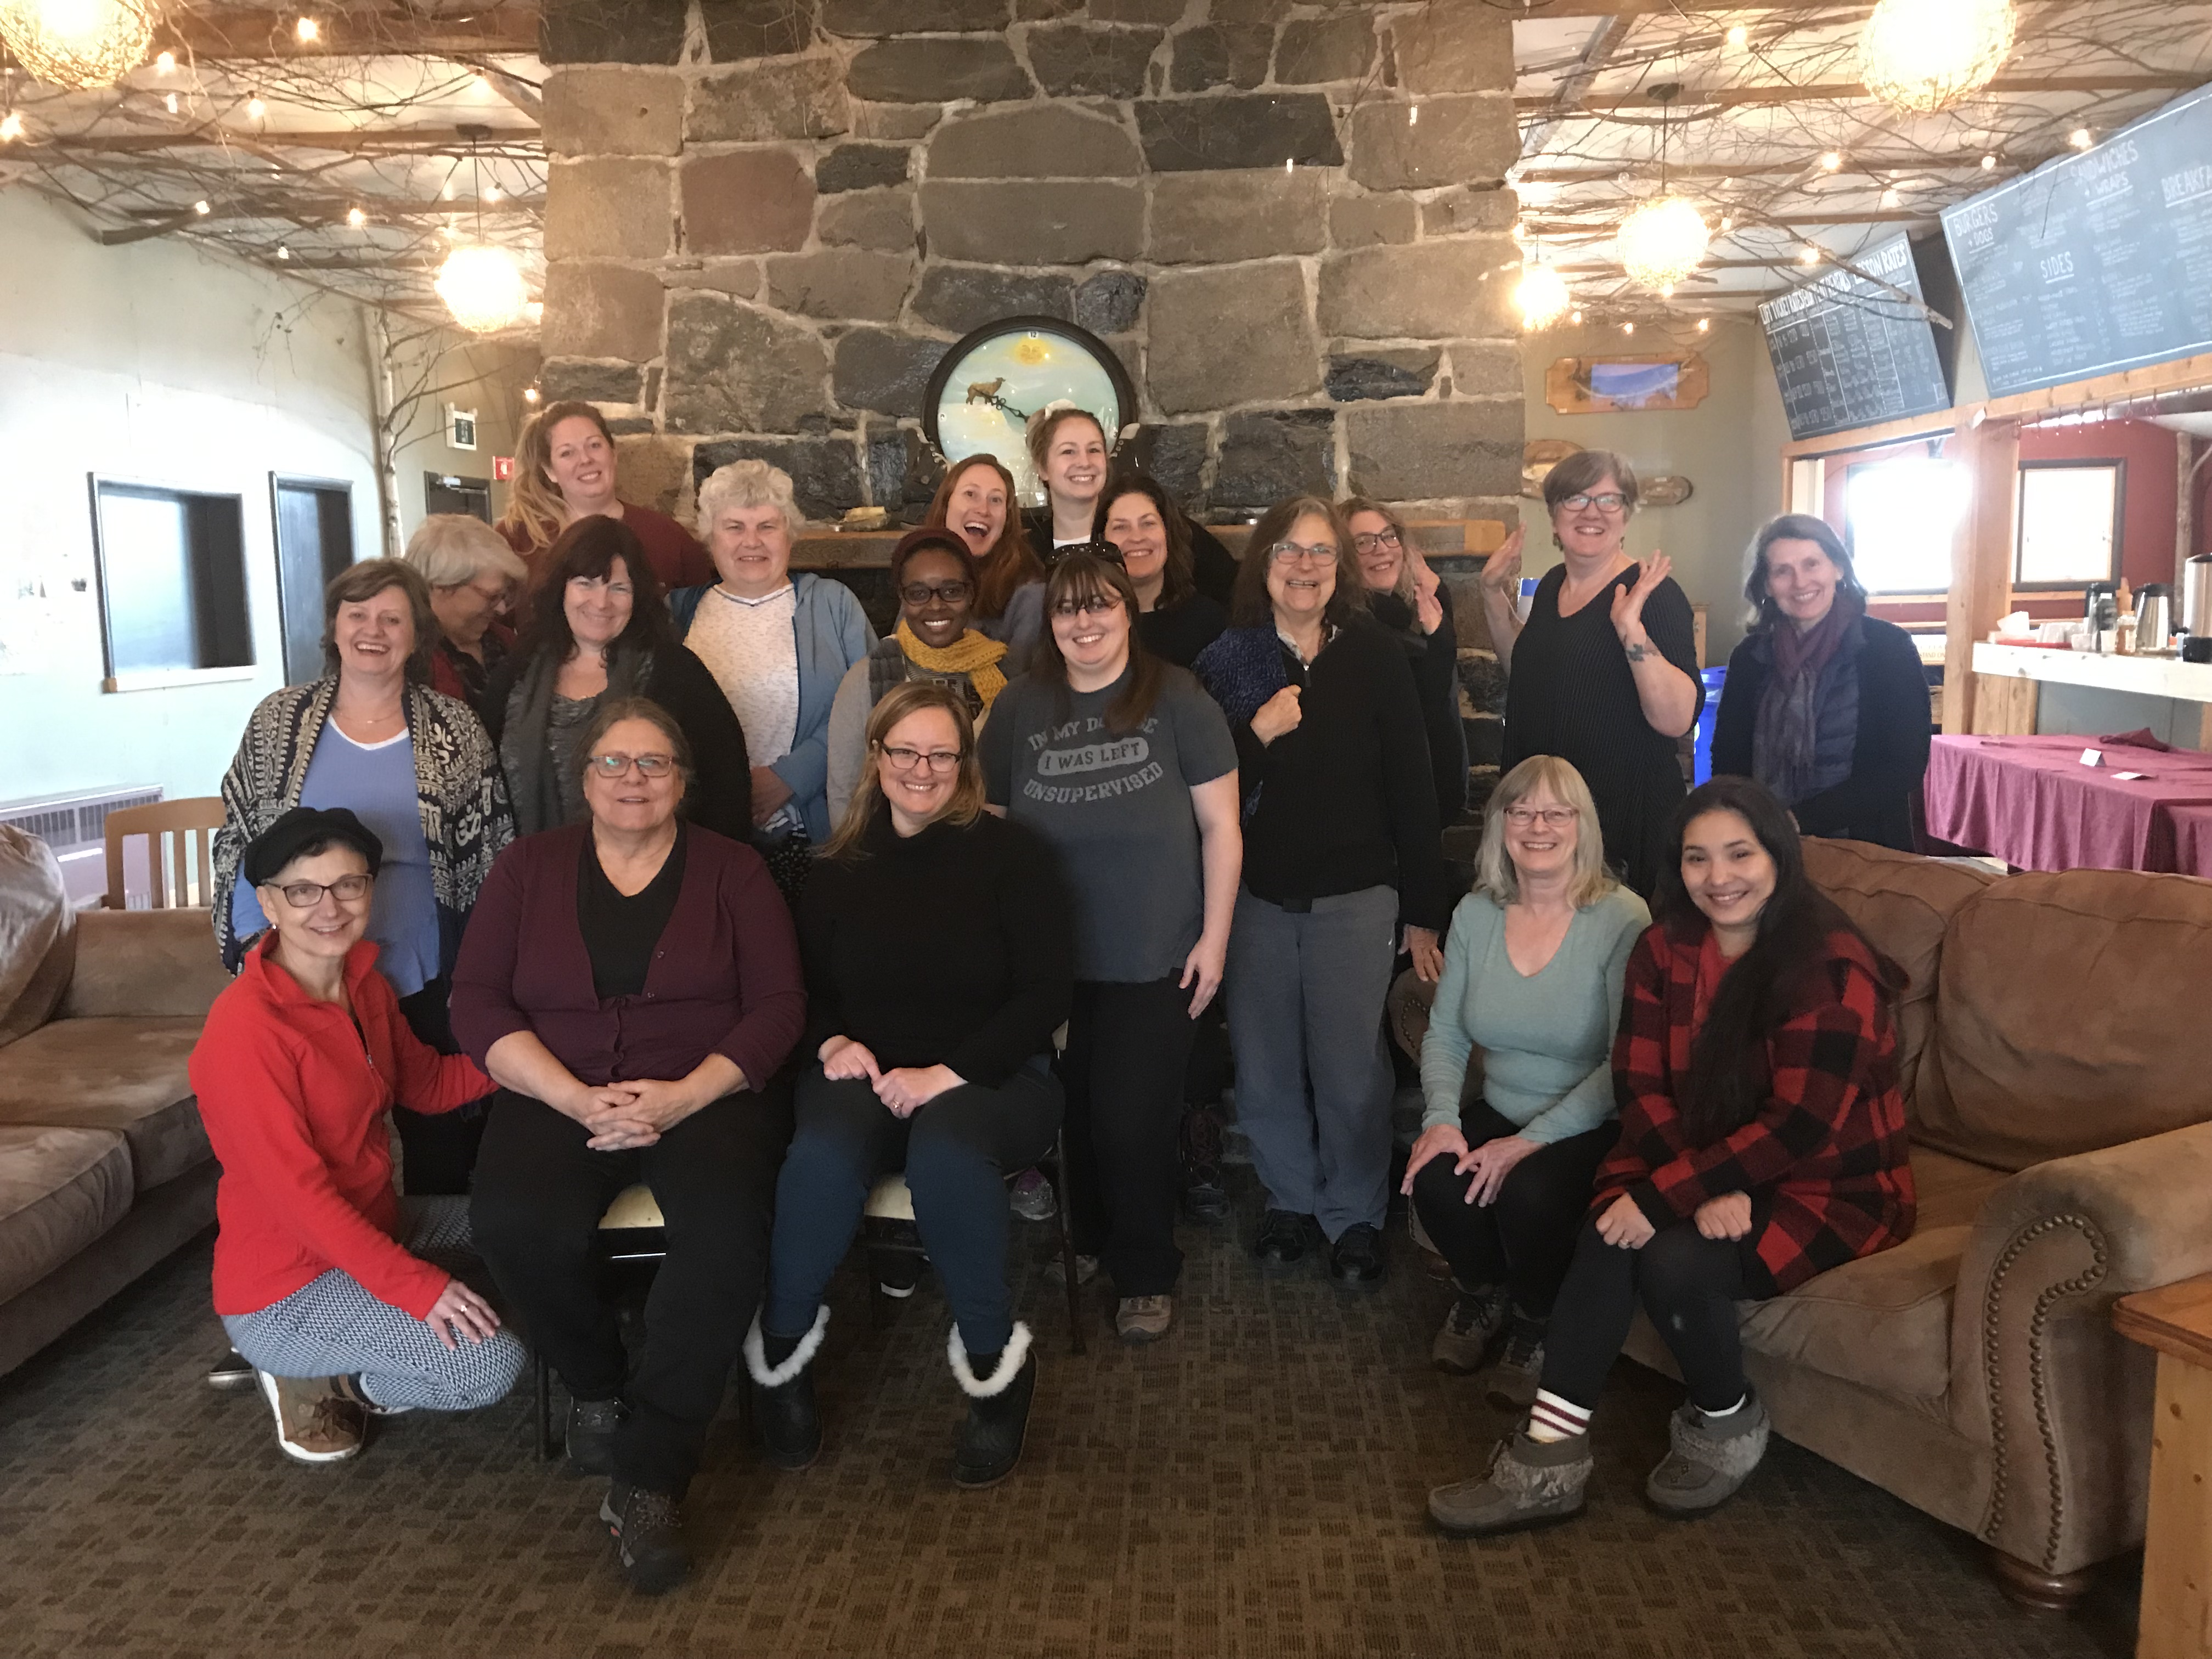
(304, 827)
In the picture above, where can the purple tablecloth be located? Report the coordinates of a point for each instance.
(2030, 801)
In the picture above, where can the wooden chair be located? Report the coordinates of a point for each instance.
(187, 883)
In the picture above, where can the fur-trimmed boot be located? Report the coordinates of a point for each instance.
(990, 1443)
(783, 1392)
(1709, 1458)
(1531, 1483)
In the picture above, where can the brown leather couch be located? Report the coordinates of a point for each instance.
(2057, 1073)
(104, 1167)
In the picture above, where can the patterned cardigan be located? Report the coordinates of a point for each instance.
(458, 786)
(1824, 1160)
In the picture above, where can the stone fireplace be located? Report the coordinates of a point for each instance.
(768, 220)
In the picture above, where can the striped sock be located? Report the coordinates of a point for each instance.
(1553, 1418)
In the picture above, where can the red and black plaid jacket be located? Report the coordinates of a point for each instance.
(1824, 1161)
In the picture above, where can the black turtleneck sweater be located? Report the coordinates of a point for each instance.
(955, 946)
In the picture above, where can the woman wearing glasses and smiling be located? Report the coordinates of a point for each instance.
(1406, 597)
(1604, 674)
(933, 575)
(1126, 768)
(1343, 867)
(632, 984)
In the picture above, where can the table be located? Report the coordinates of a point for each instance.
(2176, 1586)
(2030, 801)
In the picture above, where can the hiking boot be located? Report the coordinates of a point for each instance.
(783, 1394)
(1355, 1261)
(1511, 1383)
(1284, 1238)
(1471, 1330)
(990, 1442)
(1711, 1458)
(1531, 1483)
(592, 1425)
(229, 1372)
(1144, 1318)
(1205, 1199)
(1033, 1198)
(1086, 1269)
(314, 1423)
(648, 1533)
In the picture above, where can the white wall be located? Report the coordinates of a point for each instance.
(164, 364)
(1729, 447)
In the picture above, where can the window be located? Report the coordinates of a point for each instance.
(1898, 519)
(172, 583)
(2069, 524)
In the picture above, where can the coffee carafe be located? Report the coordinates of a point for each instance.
(2153, 619)
(2196, 607)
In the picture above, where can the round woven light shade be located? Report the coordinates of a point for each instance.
(77, 43)
(482, 287)
(1921, 56)
(1661, 242)
(1543, 296)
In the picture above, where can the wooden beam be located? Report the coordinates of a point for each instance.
(1981, 558)
(425, 139)
(1962, 162)
(1829, 92)
(332, 210)
(1555, 226)
(215, 33)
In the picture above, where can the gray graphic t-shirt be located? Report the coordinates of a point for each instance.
(1117, 809)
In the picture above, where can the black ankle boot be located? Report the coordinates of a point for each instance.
(998, 1388)
(783, 1392)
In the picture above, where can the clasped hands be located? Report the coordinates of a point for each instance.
(625, 1116)
(904, 1089)
(1625, 1226)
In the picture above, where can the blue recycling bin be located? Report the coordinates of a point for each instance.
(1701, 765)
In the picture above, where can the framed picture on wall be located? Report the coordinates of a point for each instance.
(460, 428)
(988, 384)
(1627, 383)
(2068, 527)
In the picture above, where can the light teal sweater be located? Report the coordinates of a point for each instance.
(1547, 1040)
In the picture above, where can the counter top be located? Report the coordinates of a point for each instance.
(2150, 677)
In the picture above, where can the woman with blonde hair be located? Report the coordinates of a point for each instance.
(1073, 454)
(564, 471)
(977, 502)
(938, 947)
(1533, 975)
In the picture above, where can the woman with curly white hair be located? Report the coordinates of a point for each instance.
(778, 645)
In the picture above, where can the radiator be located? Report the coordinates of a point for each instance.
(75, 827)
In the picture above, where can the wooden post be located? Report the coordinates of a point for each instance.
(1981, 555)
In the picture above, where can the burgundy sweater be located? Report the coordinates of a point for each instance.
(725, 977)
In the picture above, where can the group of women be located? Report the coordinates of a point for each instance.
(705, 887)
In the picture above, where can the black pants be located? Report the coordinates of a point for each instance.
(1687, 1283)
(1523, 1238)
(540, 1191)
(1128, 1046)
(439, 1148)
(957, 1152)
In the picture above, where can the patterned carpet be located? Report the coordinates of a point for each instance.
(1253, 1486)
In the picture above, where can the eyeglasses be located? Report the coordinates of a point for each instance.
(1097, 604)
(1380, 539)
(939, 761)
(1295, 553)
(1553, 817)
(306, 895)
(951, 592)
(1611, 501)
(611, 767)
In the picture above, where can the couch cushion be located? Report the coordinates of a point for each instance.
(59, 1190)
(143, 962)
(2069, 1017)
(1903, 902)
(1884, 1321)
(127, 1075)
(37, 934)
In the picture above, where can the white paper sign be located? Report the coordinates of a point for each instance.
(2093, 757)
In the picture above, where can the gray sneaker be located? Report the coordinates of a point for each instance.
(1471, 1329)
(1531, 1483)
(1033, 1197)
(1144, 1318)
(1511, 1384)
(1086, 1269)
(1711, 1459)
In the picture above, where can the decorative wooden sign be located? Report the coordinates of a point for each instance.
(1624, 383)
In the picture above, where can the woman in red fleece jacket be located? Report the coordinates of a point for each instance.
(1762, 1143)
(301, 1058)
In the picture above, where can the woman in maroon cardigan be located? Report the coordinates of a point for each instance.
(1762, 1143)
(633, 984)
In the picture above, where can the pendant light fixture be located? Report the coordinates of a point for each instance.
(1664, 239)
(1923, 56)
(80, 45)
(482, 285)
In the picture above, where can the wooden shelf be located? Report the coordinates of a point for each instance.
(2149, 677)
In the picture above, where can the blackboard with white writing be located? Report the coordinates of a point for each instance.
(2097, 262)
(1855, 347)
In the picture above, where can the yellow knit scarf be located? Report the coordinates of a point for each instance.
(970, 654)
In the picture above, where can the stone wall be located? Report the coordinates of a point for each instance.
(766, 221)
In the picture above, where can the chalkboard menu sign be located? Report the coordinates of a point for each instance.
(1855, 347)
(2096, 261)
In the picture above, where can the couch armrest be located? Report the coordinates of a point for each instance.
(2037, 1374)
(142, 964)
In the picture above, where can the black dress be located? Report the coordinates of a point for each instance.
(1435, 658)
(1177, 633)
(1572, 694)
